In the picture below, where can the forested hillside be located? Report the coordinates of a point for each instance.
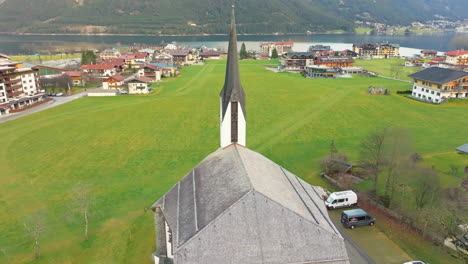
(212, 16)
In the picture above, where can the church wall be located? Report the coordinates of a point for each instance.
(226, 127)
(241, 127)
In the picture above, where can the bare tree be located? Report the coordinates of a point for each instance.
(35, 225)
(453, 223)
(426, 188)
(82, 204)
(372, 155)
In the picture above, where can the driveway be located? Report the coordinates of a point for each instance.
(57, 101)
(367, 244)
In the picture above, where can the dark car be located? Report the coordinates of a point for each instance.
(461, 242)
(356, 217)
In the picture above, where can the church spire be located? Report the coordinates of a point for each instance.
(232, 113)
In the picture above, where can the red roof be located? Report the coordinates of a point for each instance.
(114, 62)
(117, 77)
(456, 53)
(96, 67)
(136, 55)
(73, 73)
(154, 67)
(438, 59)
(432, 63)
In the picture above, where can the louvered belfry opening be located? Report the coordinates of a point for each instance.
(234, 122)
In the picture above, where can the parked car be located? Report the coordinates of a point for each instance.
(356, 217)
(461, 241)
(415, 262)
(59, 94)
(341, 199)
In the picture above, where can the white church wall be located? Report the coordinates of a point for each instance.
(226, 127)
(241, 126)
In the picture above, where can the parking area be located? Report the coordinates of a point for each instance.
(373, 241)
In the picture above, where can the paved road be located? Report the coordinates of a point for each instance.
(57, 101)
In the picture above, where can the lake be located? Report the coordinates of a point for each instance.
(29, 44)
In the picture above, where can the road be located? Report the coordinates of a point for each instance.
(57, 101)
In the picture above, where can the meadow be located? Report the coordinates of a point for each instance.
(394, 68)
(132, 149)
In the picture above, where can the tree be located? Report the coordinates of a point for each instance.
(88, 57)
(426, 188)
(274, 54)
(243, 52)
(35, 225)
(81, 205)
(372, 155)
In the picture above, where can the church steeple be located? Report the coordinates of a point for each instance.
(232, 112)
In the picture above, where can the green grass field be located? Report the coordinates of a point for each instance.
(394, 68)
(30, 58)
(132, 149)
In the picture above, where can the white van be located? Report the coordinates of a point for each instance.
(341, 199)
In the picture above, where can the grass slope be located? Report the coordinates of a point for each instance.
(132, 149)
(394, 68)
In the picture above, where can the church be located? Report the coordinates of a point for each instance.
(237, 206)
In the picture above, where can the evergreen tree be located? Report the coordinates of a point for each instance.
(243, 52)
(274, 54)
(88, 57)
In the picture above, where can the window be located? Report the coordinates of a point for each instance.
(432, 92)
(438, 94)
(340, 200)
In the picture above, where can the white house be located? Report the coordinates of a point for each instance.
(139, 85)
(457, 57)
(113, 82)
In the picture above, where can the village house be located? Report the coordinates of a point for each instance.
(139, 85)
(296, 61)
(113, 82)
(436, 84)
(210, 54)
(322, 71)
(163, 57)
(167, 69)
(319, 49)
(457, 57)
(281, 47)
(76, 78)
(136, 60)
(99, 70)
(118, 63)
(349, 53)
(413, 62)
(428, 54)
(376, 51)
(170, 46)
(181, 57)
(151, 72)
(109, 54)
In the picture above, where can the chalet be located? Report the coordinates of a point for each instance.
(436, 84)
(181, 57)
(139, 85)
(170, 46)
(349, 53)
(209, 54)
(118, 63)
(428, 54)
(377, 50)
(136, 60)
(322, 71)
(167, 69)
(457, 57)
(113, 82)
(334, 61)
(163, 57)
(296, 61)
(413, 62)
(281, 47)
(109, 54)
(151, 72)
(76, 78)
(99, 70)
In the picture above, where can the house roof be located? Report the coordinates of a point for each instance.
(114, 62)
(73, 73)
(151, 66)
(232, 90)
(290, 43)
(438, 58)
(210, 53)
(4, 56)
(334, 59)
(117, 77)
(463, 148)
(179, 52)
(141, 79)
(456, 53)
(438, 75)
(238, 196)
(96, 67)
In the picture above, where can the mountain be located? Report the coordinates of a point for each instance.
(212, 16)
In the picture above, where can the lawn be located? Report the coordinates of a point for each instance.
(394, 68)
(31, 58)
(132, 149)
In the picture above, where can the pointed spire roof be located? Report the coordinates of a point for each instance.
(232, 90)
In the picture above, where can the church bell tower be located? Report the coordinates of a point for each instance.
(232, 97)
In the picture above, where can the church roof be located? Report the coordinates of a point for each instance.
(232, 90)
(243, 187)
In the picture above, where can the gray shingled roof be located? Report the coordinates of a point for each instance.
(237, 200)
(463, 148)
(438, 75)
(232, 90)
